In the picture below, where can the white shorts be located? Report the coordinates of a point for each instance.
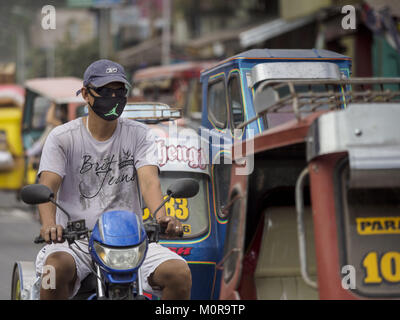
(156, 254)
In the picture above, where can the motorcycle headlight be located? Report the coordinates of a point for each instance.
(121, 259)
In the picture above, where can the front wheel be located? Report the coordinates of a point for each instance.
(120, 292)
(16, 284)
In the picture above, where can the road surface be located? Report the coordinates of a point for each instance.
(18, 227)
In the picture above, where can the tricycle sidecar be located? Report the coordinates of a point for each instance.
(180, 155)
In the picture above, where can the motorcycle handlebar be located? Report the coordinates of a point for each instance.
(163, 228)
(39, 239)
(75, 230)
(67, 237)
(74, 234)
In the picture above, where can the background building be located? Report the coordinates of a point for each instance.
(142, 33)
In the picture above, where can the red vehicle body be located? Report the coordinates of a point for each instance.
(334, 235)
(176, 85)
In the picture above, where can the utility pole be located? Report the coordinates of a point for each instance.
(20, 55)
(166, 33)
(50, 61)
(104, 32)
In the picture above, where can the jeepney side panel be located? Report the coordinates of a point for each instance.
(231, 264)
(279, 157)
(349, 265)
(209, 134)
(201, 254)
(200, 250)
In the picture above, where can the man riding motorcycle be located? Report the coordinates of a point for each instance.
(91, 164)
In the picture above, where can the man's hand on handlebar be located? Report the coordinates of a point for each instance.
(52, 233)
(172, 226)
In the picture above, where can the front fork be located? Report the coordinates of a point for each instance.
(99, 284)
(139, 283)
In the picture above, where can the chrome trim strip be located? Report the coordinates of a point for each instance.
(294, 70)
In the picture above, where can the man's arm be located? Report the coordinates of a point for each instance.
(50, 232)
(151, 190)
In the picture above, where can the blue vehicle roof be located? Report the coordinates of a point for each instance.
(282, 54)
(290, 53)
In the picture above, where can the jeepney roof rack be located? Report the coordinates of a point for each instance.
(289, 96)
(151, 112)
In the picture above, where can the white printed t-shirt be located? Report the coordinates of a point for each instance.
(98, 176)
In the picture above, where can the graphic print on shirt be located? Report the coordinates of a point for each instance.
(104, 178)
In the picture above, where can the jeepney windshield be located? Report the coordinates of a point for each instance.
(277, 98)
(169, 91)
(192, 212)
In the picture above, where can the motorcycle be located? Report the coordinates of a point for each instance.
(117, 245)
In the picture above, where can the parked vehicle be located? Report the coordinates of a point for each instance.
(176, 85)
(296, 113)
(11, 149)
(117, 245)
(43, 94)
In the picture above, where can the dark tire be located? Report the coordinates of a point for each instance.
(15, 284)
(18, 195)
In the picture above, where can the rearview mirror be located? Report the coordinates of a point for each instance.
(183, 188)
(36, 194)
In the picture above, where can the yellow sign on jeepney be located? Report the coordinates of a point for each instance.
(378, 225)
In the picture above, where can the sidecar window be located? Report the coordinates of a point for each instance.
(192, 212)
(40, 107)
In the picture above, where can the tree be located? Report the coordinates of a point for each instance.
(73, 61)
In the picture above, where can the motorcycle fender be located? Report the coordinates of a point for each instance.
(29, 282)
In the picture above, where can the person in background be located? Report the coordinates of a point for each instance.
(54, 118)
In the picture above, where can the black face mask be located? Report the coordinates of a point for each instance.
(108, 108)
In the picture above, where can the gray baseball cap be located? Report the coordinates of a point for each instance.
(102, 72)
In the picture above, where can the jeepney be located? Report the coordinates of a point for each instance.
(307, 191)
(176, 85)
(11, 150)
(181, 156)
(41, 93)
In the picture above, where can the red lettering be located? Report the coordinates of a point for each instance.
(184, 251)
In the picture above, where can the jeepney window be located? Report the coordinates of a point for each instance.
(311, 97)
(216, 101)
(235, 100)
(311, 91)
(159, 91)
(192, 212)
(194, 96)
(369, 233)
(222, 180)
(40, 107)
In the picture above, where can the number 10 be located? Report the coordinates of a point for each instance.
(389, 267)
